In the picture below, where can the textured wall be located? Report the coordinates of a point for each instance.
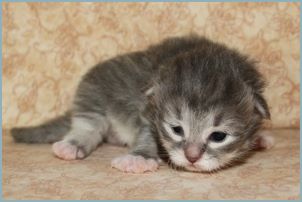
(48, 46)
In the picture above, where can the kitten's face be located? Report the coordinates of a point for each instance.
(208, 108)
(205, 141)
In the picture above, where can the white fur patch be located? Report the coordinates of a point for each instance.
(82, 124)
(124, 132)
(178, 157)
(149, 91)
(208, 163)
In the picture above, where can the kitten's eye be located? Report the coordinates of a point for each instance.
(217, 136)
(178, 130)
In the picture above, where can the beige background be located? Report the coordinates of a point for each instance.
(48, 46)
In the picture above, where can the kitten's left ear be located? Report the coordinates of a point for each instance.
(261, 106)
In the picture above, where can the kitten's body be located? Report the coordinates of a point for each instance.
(134, 99)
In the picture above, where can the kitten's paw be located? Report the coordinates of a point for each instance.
(264, 141)
(67, 151)
(134, 164)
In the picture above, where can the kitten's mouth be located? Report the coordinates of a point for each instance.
(198, 168)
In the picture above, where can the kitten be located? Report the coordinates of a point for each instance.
(192, 102)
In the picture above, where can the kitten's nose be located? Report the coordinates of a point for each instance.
(193, 152)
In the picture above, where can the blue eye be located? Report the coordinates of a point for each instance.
(217, 136)
(178, 130)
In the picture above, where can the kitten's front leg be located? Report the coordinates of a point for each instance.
(142, 158)
(263, 140)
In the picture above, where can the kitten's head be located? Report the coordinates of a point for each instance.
(208, 105)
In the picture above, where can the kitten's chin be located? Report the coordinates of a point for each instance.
(202, 169)
(193, 168)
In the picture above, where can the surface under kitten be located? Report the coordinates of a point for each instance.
(189, 101)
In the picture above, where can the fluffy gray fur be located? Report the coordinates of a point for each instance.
(136, 98)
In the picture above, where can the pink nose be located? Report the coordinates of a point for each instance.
(193, 152)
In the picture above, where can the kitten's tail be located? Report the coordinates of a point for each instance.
(49, 132)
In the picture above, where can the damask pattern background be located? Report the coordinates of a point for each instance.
(48, 46)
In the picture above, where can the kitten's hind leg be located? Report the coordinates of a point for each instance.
(85, 135)
(143, 156)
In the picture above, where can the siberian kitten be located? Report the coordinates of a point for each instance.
(192, 102)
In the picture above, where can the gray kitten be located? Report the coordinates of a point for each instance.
(187, 100)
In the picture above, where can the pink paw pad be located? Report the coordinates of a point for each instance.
(134, 164)
(67, 151)
(264, 141)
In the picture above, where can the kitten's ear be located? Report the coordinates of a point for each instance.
(261, 106)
